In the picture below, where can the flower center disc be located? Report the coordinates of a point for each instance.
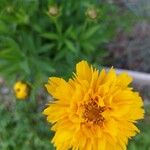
(93, 113)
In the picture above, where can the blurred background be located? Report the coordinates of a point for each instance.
(43, 38)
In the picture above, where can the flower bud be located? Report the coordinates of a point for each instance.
(92, 13)
(9, 9)
(53, 11)
(21, 90)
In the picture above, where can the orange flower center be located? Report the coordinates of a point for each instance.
(93, 113)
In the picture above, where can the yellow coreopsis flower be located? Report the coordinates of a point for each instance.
(21, 90)
(93, 111)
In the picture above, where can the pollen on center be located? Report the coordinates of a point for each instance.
(93, 112)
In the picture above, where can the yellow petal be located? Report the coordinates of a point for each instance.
(59, 89)
(83, 71)
(124, 79)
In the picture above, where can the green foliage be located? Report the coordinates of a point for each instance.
(34, 44)
(142, 140)
(23, 128)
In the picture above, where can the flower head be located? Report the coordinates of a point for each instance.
(53, 11)
(92, 13)
(93, 110)
(21, 90)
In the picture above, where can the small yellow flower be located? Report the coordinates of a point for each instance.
(21, 90)
(93, 110)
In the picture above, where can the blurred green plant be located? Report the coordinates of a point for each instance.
(35, 42)
(22, 127)
(142, 140)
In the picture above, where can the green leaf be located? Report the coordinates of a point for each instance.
(43, 65)
(60, 55)
(87, 47)
(3, 27)
(91, 31)
(45, 48)
(11, 54)
(70, 46)
(25, 66)
(51, 36)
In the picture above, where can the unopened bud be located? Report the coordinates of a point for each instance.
(92, 13)
(53, 11)
(9, 9)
